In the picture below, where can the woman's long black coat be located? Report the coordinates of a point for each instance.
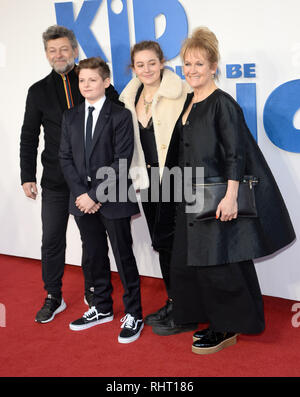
(217, 138)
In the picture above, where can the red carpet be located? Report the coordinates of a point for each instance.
(28, 349)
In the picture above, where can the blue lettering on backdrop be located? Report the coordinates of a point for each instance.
(279, 112)
(249, 70)
(145, 13)
(81, 26)
(246, 97)
(178, 70)
(280, 107)
(245, 92)
(120, 45)
(234, 71)
(176, 30)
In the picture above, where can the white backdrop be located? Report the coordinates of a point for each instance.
(263, 32)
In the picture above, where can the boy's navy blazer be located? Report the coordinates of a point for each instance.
(113, 139)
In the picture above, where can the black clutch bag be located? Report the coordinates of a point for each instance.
(214, 189)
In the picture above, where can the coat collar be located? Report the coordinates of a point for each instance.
(55, 90)
(170, 87)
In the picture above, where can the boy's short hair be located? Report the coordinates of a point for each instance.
(94, 63)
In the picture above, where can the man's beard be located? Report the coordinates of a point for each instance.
(64, 69)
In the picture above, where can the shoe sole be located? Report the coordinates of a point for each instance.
(208, 350)
(195, 339)
(94, 323)
(132, 338)
(162, 332)
(60, 309)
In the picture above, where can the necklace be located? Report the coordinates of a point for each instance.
(147, 104)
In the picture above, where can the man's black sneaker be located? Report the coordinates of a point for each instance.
(91, 318)
(170, 328)
(159, 316)
(52, 306)
(213, 342)
(131, 329)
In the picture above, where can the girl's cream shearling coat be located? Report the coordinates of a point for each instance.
(166, 107)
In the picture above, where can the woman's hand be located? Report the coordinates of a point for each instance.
(228, 208)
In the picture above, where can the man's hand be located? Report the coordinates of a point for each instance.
(30, 189)
(85, 204)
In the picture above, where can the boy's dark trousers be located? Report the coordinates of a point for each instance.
(95, 230)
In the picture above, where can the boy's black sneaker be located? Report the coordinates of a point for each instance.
(131, 329)
(52, 306)
(91, 318)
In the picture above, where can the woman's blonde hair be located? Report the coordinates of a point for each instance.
(202, 39)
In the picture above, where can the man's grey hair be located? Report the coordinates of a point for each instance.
(56, 32)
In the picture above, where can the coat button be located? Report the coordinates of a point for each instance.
(148, 166)
(158, 122)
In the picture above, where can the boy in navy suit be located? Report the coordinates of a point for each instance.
(95, 135)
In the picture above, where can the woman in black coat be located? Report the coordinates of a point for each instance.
(213, 277)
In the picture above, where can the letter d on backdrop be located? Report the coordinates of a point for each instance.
(176, 30)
